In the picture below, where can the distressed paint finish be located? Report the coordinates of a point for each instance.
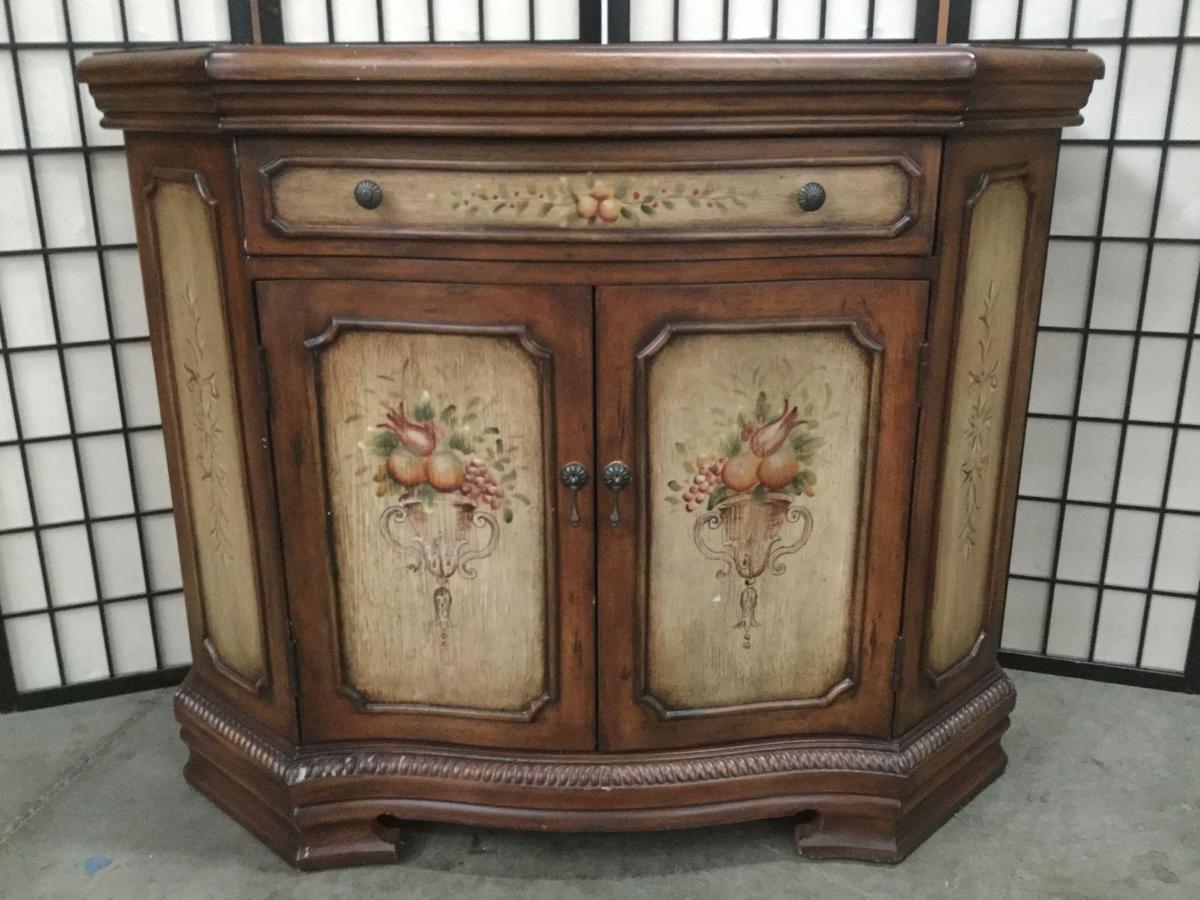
(698, 387)
(860, 196)
(489, 651)
(975, 434)
(213, 470)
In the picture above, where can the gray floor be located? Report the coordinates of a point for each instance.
(1101, 799)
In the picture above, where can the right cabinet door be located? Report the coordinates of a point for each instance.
(751, 537)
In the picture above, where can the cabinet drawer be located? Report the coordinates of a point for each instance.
(854, 196)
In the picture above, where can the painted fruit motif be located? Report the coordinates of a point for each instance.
(777, 471)
(763, 453)
(405, 467)
(741, 472)
(446, 452)
(446, 471)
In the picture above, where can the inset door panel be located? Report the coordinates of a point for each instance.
(431, 494)
(742, 592)
(454, 542)
(755, 575)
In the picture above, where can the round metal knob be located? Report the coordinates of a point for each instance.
(368, 194)
(811, 197)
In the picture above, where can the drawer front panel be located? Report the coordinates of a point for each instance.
(864, 194)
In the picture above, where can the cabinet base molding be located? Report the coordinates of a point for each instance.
(850, 798)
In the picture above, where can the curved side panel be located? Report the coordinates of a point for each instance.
(181, 212)
(980, 384)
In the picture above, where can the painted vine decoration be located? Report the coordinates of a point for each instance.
(206, 426)
(449, 475)
(750, 489)
(983, 382)
(596, 203)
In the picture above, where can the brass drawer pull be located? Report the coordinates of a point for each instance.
(574, 476)
(368, 194)
(811, 197)
(616, 477)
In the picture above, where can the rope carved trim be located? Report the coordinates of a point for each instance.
(295, 770)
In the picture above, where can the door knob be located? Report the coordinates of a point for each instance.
(574, 476)
(616, 477)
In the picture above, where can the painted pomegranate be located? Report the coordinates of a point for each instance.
(770, 437)
(419, 437)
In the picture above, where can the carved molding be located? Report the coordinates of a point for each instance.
(594, 773)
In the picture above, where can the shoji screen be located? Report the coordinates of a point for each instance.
(440, 20)
(89, 574)
(791, 20)
(1106, 558)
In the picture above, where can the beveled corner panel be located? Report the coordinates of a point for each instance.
(181, 212)
(964, 550)
(436, 444)
(760, 445)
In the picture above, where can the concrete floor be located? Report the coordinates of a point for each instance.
(1101, 799)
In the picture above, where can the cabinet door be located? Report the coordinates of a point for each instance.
(439, 585)
(750, 575)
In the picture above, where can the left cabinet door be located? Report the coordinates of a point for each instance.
(440, 583)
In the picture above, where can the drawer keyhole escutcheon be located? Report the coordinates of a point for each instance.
(368, 194)
(811, 197)
(574, 476)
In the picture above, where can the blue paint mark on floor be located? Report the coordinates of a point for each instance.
(94, 864)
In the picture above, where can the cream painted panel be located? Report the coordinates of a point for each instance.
(441, 581)
(213, 470)
(754, 591)
(975, 437)
(309, 196)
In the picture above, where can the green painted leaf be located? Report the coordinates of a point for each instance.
(508, 514)
(719, 495)
(760, 407)
(448, 413)
(379, 441)
(675, 485)
(545, 210)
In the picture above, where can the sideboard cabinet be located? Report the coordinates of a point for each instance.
(612, 438)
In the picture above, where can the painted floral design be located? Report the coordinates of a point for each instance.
(423, 451)
(205, 403)
(595, 202)
(983, 382)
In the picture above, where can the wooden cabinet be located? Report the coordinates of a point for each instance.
(593, 440)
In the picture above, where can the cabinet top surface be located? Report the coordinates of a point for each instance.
(639, 89)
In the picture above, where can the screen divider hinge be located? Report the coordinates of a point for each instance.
(897, 662)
